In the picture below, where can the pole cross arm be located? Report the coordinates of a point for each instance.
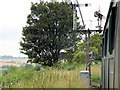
(80, 5)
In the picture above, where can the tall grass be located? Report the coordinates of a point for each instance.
(96, 74)
(47, 78)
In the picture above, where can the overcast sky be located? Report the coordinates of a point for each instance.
(13, 16)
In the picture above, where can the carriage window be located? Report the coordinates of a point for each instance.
(105, 42)
(106, 39)
(112, 29)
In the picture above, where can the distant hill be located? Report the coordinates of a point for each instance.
(11, 57)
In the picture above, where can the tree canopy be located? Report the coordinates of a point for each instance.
(95, 46)
(49, 30)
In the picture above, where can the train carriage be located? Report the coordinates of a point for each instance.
(111, 48)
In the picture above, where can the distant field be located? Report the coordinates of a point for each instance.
(13, 62)
(9, 62)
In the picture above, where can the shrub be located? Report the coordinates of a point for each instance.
(79, 57)
(38, 67)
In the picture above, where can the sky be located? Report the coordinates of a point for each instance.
(13, 16)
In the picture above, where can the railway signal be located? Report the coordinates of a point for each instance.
(87, 32)
(98, 14)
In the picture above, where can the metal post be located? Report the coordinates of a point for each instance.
(89, 61)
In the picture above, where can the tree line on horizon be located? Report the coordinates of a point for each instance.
(11, 57)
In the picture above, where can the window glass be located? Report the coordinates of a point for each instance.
(104, 41)
(112, 29)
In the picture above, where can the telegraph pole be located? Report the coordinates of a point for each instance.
(99, 16)
(75, 5)
(87, 32)
(88, 49)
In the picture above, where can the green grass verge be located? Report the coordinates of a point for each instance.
(48, 78)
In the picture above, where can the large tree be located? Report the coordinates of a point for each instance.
(49, 29)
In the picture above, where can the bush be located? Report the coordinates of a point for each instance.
(79, 57)
(66, 65)
(71, 67)
(38, 67)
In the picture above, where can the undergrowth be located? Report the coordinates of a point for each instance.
(66, 76)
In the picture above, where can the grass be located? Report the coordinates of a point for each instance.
(96, 74)
(48, 78)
